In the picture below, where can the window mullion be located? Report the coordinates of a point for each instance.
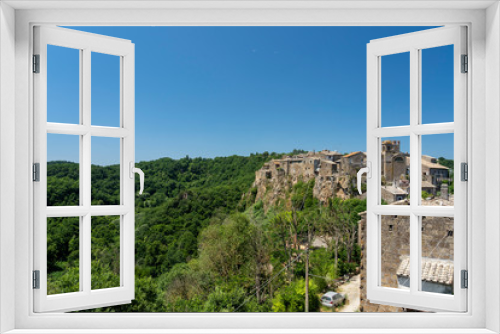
(85, 167)
(415, 179)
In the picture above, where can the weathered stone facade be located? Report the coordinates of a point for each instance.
(394, 162)
(437, 247)
(334, 175)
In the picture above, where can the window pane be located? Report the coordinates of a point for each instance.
(63, 255)
(395, 91)
(437, 170)
(63, 169)
(105, 90)
(105, 171)
(437, 84)
(395, 251)
(437, 254)
(105, 252)
(395, 166)
(63, 85)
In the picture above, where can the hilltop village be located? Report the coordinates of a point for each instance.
(335, 175)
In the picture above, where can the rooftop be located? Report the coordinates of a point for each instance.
(395, 190)
(433, 270)
(429, 164)
(329, 162)
(353, 154)
(328, 152)
(427, 184)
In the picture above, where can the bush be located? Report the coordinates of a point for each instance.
(291, 298)
(226, 299)
(322, 264)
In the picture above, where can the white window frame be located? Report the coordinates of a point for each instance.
(414, 43)
(86, 44)
(483, 21)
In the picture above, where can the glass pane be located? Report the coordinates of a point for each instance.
(395, 170)
(437, 170)
(105, 171)
(105, 252)
(63, 85)
(395, 251)
(105, 90)
(395, 89)
(437, 84)
(63, 255)
(437, 254)
(63, 169)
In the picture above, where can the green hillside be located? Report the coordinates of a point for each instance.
(199, 247)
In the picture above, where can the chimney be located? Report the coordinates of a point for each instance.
(444, 191)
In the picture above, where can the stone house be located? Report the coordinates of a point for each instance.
(437, 255)
(335, 174)
(434, 172)
(333, 156)
(352, 162)
(429, 187)
(394, 162)
(328, 168)
(392, 194)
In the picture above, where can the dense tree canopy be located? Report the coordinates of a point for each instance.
(201, 246)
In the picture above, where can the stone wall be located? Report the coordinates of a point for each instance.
(365, 305)
(275, 180)
(437, 242)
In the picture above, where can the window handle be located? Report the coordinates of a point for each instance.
(363, 170)
(134, 170)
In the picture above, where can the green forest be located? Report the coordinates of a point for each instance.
(203, 244)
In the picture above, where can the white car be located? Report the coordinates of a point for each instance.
(331, 299)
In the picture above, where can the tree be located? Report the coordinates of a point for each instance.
(280, 223)
(339, 222)
(291, 298)
(260, 249)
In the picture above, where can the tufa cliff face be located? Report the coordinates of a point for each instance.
(334, 175)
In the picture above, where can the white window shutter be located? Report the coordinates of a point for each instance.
(86, 297)
(414, 296)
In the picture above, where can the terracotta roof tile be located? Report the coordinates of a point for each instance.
(433, 270)
(427, 184)
(429, 164)
(352, 154)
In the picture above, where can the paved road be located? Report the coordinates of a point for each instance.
(352, 290)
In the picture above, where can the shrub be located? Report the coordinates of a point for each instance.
(291, 298)
(425, 194)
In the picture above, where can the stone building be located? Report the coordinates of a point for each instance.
(437, 255)
(395, 169)
(352, 162)
(434, 172)
(335, 174)
(392, 194)
(333, 156)
(395, 164)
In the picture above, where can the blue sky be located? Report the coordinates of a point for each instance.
(218, 91)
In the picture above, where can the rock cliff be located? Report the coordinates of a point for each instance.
(330, 173)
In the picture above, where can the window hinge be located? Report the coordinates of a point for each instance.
(464, 171)
(36, 172)
(465, 279)
(36, 63)
(36, 279)
(465, 64)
